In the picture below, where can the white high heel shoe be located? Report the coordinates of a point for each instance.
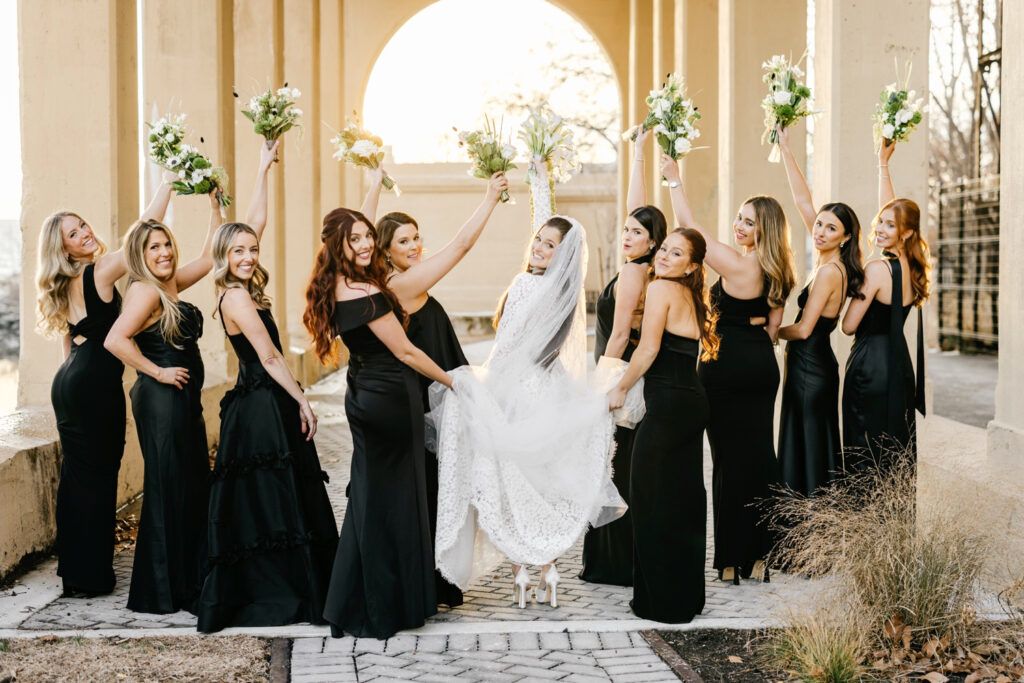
(520, 586)
(550, 579)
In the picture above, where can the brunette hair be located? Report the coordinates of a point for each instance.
(849, 252)
(773, 251)
(707, 317)
(389, 223)
(563, 227)
(907, 216)
(653, 221)
(330, 265)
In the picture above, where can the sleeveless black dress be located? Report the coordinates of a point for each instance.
(383, 576)
(741, 386)
(272, 534)
(431, 330)
(810, 452)
(170, 553)
(667, 497)
(88, 398)
(608, 549)
(879, 393)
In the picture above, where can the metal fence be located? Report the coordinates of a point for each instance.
(967, 282)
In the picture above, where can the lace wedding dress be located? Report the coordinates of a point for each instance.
(524, 442)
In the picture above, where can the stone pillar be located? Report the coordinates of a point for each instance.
(79, 142)
(663, 62)
(697, 60)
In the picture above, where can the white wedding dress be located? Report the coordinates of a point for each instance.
(524, 443)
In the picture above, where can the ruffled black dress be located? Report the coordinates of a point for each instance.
(88, 399)
(383, 576)
(272, 534)
(170, 553)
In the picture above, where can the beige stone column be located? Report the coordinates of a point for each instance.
(697, 59)
(663, 62)
(79, 142)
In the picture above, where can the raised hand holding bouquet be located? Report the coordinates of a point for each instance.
(273, 113)
(549, 143)
(897, 113)
(196, 173)
(672, 117)
(360, 147)
(786, 101)
(487, 153)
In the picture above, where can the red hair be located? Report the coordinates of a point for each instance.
(332, 264)
(907, 217)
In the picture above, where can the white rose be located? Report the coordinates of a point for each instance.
(364, 148)
(781, 97)
(296, 111)
(283, 92)
(904, 115)
(888, 130)
(508, 152)
(682, 146)
(182, 174)
(295, 92)
(196, 176)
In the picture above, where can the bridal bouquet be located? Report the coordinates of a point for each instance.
(360, 147)
(897, 113)
(196, 173)
(487, 152)
(548, 139)
(786, 101)
(672, 117)
(273, 113)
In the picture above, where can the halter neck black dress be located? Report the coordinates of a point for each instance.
(88, 398)
(809, 448)
(667, 496)
(741, 386)
(431, 330)
(608, 549)
(272, 534)
(170, 553)
(879, 393)
(383, 576)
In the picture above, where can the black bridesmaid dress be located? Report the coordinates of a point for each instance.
(879, 394)
(431, 330)
(88, 399)
(667, 496)
(170, 552)
(741, 386)
(809, 449)
(383, 576)
(608, 549)
(272, 534)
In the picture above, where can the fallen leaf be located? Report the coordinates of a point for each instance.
(735, 660)
(986, 649)
(973, 678)
(1004, 679)
(48, 639)
(931, 647)
(934, 677)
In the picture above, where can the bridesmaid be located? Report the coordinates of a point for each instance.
(608, 549)
(879, 393)
(742, 382)
(810, 453)
(78, 302)
(667, 494)
(158, 334)
(383, 576)
(430, 328)
(272, 534)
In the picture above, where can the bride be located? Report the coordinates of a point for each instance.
(524, 444)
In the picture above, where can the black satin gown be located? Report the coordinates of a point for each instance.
(88, 399)
(667, 496)
(879, 395)
(608, 549)
(431, 330)
(810, 453)
(741, 386)
(272, 534)
(383, 576)
(170, 552)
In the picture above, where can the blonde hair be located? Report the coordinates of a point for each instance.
(135, 256)
(223, 240)
(773, 251)
(54, 272)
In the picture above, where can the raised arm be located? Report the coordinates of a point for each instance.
(825, 282)
(632, 280)
(369, 207)
(141, 301)
(636, 196)
(885, 192)
(389, 330)
(157, 208)
(875, 273)
(196, 269)
(256, 216)
(417, 280)
(797, 182)
(655, 316)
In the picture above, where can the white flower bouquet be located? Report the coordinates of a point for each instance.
(548, 139)
(487, 152)
(786, 101)
(360, 147)
(196, 173)
(273, 113)
(897, 113)
(673, 118)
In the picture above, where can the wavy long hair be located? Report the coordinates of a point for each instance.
(849, 252)
(135, 256)
(907, 216)
(389, 223)
(331, 264)
(707, 317)
(653, 221)
(54, 272)
(773, 251)
(223, 241)
(558, 223)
